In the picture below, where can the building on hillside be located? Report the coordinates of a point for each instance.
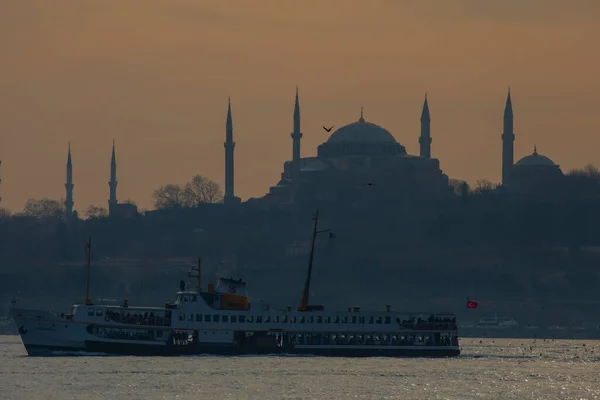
(532, 175)
(360, 154)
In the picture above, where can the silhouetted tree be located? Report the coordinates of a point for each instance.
(95, 212)
(168, 196)
(484, 186)
(460, 188)
(589, 171)
(4, 214)
(201, 190)
(584, 182)
(44, 208)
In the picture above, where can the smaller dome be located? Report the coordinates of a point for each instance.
(536, 159)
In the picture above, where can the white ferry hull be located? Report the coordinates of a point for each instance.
(45, 334)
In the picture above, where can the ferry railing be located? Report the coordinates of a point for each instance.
(137, 319)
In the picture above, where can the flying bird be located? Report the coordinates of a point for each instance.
(328, 129)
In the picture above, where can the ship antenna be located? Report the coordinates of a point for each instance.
(199, 275)
(88, 246)
(305, 294)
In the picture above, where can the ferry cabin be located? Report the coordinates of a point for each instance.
(212, 320)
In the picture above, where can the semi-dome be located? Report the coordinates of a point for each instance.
(361, 131)
(536, 159)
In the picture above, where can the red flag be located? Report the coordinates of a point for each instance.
(472, 304)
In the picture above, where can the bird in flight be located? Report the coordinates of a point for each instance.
(328, 129)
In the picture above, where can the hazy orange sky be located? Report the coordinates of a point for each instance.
(155, 76)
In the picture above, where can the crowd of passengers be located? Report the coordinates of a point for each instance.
(138, 318)
(316, 339)
(124, 335)
(182, 339)
(431, 323)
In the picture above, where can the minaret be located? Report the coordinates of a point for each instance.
(69, 186)
(112, 184)
(0, 181)
(508, 139)
(229, 146)
(296, 135)
(425, 138)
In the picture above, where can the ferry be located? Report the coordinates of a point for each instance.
(220, 320)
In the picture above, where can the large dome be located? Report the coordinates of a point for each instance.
(361, 132)
(536, 159)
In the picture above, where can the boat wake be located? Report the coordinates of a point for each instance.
(62, 353)
(270, 355)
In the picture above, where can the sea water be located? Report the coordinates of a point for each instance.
(486, 369)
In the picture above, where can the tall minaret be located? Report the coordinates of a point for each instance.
(508, 139)
(69, 186)
(112, 184)
(229, 146)
(296, 134)
(425, 138)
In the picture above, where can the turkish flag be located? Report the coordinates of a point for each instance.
(472, 304)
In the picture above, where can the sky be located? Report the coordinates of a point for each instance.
(155, 75)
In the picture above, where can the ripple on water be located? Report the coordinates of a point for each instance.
(487, 369)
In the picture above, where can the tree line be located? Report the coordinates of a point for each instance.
(199, 190)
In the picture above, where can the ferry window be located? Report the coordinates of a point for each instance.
(250, 318)
(185, 299)
(277, 319)
(234, 318)
(319, 320)
(191, 317)
(371, 320)
(182, 316)
(178, 298)
(293, 319)
(311, 320)
(284, 319)
(388, 320)
(267, 319)
(378, 320)
(215, 317)
(91, 312)
(242, 318)
(194, 298)
(99, 312)
(158, 333)
(258, 319)
(337, 320)
(206, 318)
(302, 320)
(344, 320)
(225, 318)
(353, 320)
(198, 317)
(327, 320)
(361, 320)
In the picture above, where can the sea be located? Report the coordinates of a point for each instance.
(486, 369)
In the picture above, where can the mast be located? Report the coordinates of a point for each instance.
(88, 246)
(198, 276)
(305, 294)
